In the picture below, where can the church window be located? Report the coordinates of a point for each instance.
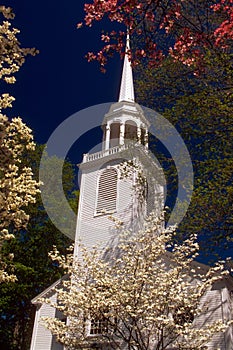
(99, 326)
(107, 192)
(102, 324)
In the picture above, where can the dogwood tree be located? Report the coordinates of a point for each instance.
(136, 294)
(17, 187)
(189, 26)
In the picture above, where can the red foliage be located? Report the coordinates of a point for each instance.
(224, 33)
(191, 25)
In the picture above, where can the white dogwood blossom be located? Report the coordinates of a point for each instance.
(12, 55)
(17, 187)
(136, 294)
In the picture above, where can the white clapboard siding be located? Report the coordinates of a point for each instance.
(94, 227)
(215, 304)
(42, 338)
(229, 315)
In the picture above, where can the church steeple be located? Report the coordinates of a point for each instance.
(125, 120)
(127, 88)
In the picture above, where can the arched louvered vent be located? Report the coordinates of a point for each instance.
(107, 191)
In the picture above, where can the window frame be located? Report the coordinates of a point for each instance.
(97, 211)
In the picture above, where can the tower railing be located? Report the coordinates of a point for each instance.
(107, 152)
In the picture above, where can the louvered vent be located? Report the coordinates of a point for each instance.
(107, 192)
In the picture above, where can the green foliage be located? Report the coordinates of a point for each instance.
(201, 109)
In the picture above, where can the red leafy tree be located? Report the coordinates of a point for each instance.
(189, 27)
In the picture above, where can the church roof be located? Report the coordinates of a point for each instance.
(49, 290)
(127, 88)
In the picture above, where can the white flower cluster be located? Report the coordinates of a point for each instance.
(12, 55)
(17, 187)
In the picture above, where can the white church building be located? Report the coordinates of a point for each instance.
(103, 191)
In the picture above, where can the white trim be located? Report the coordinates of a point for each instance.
(80, 210)
(35, 328)
(47, 290)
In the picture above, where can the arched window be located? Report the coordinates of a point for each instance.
(114, 134)
(130, 130)
(107, 192)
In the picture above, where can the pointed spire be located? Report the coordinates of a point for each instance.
(127, 89)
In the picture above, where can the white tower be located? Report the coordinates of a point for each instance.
(105, 190)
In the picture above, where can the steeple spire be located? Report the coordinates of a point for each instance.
(127, 89)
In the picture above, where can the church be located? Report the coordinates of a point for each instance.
(105, 192)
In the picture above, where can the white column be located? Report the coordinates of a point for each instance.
(107, 136)
(122, 133)
(146, 139)
(139, 133)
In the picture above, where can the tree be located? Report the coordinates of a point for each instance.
(190, 27)
(136, 294)
(17, 187)
(31, 264)
(200, 107)
(185, 53)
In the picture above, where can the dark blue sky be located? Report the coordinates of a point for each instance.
(58, 81)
